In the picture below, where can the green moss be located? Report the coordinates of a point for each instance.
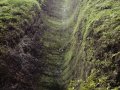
(96, 40)
(13, 11)
(14, 15)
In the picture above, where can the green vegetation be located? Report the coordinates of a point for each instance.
(98, 25)
(14, 14)
(80, 43)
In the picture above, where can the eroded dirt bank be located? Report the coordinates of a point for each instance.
(59, 44)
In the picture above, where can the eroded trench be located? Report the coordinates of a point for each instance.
(34, 58)
(58, 17)
(59, 45)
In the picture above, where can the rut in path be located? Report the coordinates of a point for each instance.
(55, 14)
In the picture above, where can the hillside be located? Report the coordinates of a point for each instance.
(59, 44)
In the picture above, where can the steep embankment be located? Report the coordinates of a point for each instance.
(19, 59)
(94, 53)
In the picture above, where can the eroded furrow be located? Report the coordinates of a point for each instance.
(56, 38)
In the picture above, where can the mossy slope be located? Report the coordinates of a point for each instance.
(16, 20)
(95, 46)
